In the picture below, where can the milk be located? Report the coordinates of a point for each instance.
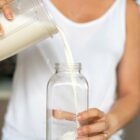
(70, 61)
(22, 32)
(68, 136)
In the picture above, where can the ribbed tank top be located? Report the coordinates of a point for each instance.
(98, 45)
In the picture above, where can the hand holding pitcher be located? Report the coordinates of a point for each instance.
(32, 23)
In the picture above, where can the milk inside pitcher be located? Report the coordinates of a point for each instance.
(31, 24)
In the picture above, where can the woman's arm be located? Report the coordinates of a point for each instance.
(128, 103)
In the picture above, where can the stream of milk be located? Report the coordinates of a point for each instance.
(70, 61)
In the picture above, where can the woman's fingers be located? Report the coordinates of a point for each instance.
(94, 128)
(1, 30)
(7, 12)
(5, 8)
(97, 126)
(62, 115)
(2, 3)
(98, 137)
(90, 114)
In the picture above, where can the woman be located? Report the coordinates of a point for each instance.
(109, 50)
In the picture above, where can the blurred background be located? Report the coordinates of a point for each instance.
(7, 68)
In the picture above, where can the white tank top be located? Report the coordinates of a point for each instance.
(98, 45)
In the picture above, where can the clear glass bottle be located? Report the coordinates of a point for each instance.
(31, 24)
(67, 95)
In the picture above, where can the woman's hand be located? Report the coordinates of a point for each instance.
(63, 115)
(7, 11)
(94, 125)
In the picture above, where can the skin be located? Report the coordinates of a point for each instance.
(95, 124)
(7, 11)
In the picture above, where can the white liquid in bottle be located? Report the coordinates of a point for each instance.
(68, 136)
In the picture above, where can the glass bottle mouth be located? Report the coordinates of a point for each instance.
(64, 67)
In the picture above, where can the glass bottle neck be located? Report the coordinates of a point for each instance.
(74, 68)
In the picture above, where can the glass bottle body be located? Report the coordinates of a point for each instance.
(67, 96)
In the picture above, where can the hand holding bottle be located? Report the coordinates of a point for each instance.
(94, 123)
(7, 11)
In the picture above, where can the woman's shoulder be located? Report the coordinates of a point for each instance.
(132, 16)
(133, 10)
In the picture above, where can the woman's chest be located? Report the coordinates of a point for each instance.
(83, 11)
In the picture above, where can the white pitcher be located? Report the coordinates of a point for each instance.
(31, 24)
